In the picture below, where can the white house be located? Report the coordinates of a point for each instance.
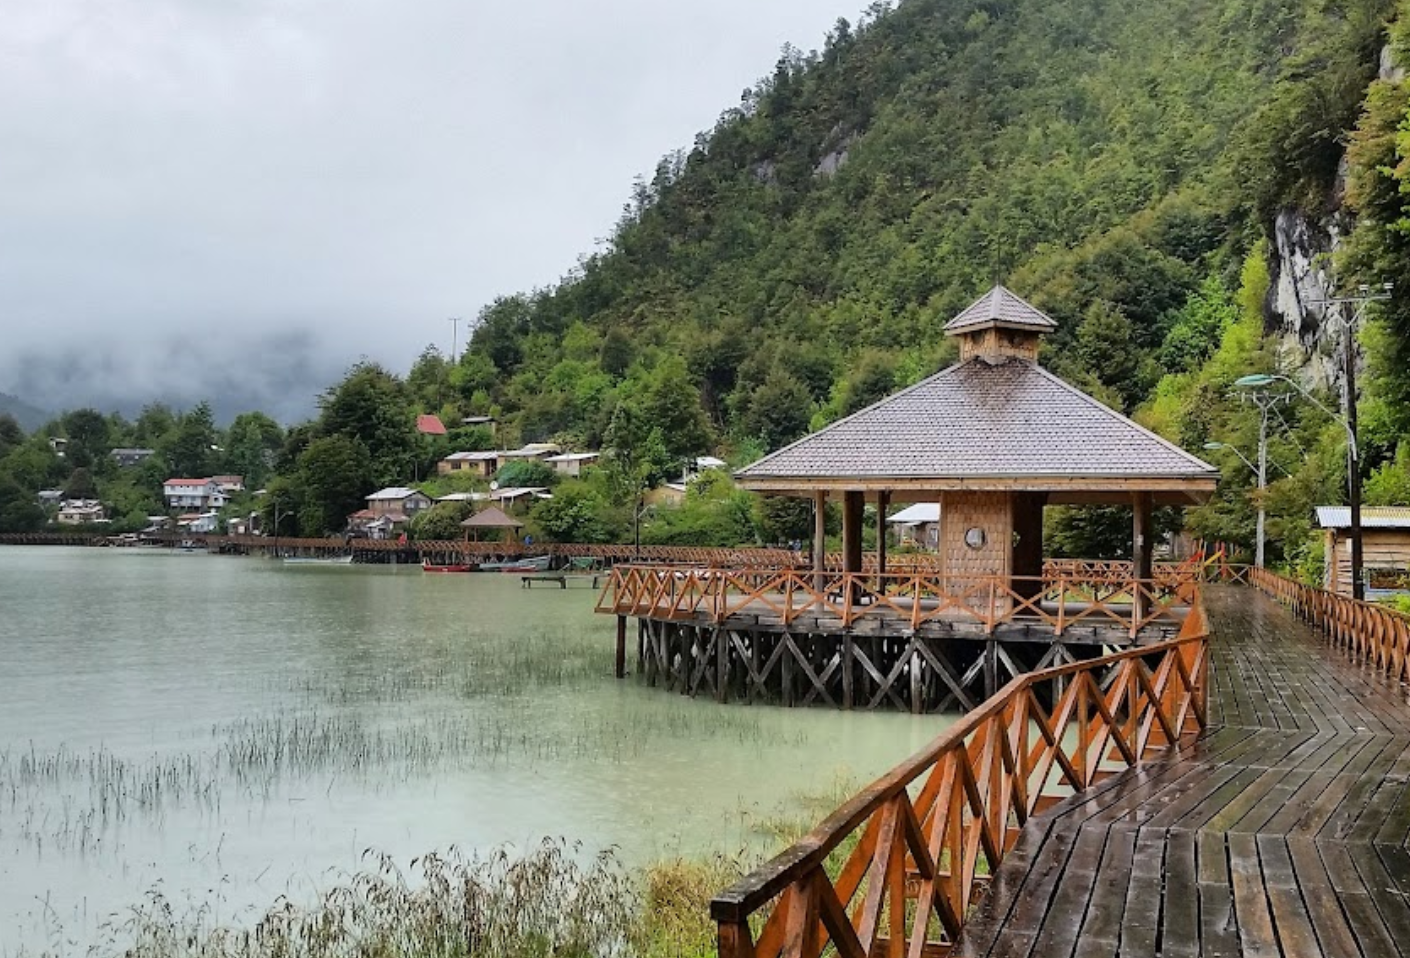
(81, 512)
(202, 522)
(193, 494)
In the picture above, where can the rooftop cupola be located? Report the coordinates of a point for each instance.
(999, 326)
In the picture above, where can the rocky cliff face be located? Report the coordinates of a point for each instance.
(1302, 278)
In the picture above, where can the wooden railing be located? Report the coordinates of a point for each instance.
(1370, 633)
(930, 833)
(910, 600)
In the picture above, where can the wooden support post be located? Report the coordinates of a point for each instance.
(852, 503)
(819, 540)
(991, 668)
(848, 663)
(916, 687)
(883, 499)
(640, 646)
(621, 663)
(1141, 550)
(721, 663)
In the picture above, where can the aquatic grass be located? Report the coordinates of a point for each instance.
(541, 904)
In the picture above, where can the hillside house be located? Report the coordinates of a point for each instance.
(51, 498)
(81, 512)
(429, 425)
(918, 526)
(572, 463)
(193, 494)
(127, 457)
(1385, 543)
(229, 484)
(398, 501)
(479, 464)
(536, 451)
(198, 523)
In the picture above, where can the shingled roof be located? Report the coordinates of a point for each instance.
(981, 420)
(1001, 307)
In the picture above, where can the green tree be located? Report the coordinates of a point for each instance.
(81, 485)
(336, 475)
(779, 410)
(372, 407)
(11, 435)
(187, 449)
(18, 510)
(672, 405)
(525, 472)
(573, 515)
(441, 522)
(252, 445)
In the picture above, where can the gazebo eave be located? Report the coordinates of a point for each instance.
(1061, 490)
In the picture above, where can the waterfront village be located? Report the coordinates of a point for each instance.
(224, 505)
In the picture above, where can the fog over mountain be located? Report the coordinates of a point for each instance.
(235, 201)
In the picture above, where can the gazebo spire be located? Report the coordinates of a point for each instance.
(1000, 325)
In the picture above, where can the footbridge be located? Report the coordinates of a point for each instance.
(1243, 789)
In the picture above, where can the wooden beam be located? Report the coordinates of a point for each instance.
(819, 538)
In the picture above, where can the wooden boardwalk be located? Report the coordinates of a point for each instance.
(1282, 831)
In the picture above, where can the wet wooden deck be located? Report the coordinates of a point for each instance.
(1282, 832)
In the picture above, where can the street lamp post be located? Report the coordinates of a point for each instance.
(1266, 403)
(1261, 471)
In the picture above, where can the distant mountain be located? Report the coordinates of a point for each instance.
(29, 417)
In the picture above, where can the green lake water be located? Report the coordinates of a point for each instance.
(229, 730)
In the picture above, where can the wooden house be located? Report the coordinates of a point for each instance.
(1385, 543)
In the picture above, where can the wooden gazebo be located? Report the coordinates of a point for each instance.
(491, 517)
(993, 439)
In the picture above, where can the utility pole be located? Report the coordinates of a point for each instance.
(1363, 297)
(455, 322)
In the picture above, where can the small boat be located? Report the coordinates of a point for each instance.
(457, 567)
(533, 564)
(309, 560)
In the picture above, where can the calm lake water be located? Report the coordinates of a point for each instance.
(228, 730)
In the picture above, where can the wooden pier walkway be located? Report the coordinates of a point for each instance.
(1281, 832)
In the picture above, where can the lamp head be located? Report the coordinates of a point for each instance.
(1255, 381)
(1215, 445)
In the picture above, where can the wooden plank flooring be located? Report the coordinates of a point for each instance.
(1282, 832)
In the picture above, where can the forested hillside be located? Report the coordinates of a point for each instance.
(1120, 163)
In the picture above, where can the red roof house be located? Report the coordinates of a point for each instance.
(429, 425)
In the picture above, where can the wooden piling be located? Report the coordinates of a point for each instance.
(621, 664)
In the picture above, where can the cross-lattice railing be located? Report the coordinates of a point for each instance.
(907, 600)
(896, 870)
(1370, 633)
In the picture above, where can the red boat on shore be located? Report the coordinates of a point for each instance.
(460, 567)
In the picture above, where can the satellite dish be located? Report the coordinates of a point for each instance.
(494, 487)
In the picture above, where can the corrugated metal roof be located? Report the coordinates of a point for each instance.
(1372, 517)
(1001, 307)
(977, 419)
(393, 493)
(918, 513)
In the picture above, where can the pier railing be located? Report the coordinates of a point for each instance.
(908, 599)
(1370, 633)
(896, 869)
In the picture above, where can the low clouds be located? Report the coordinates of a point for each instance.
(186, 183)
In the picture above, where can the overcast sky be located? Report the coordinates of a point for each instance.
(240, 197)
